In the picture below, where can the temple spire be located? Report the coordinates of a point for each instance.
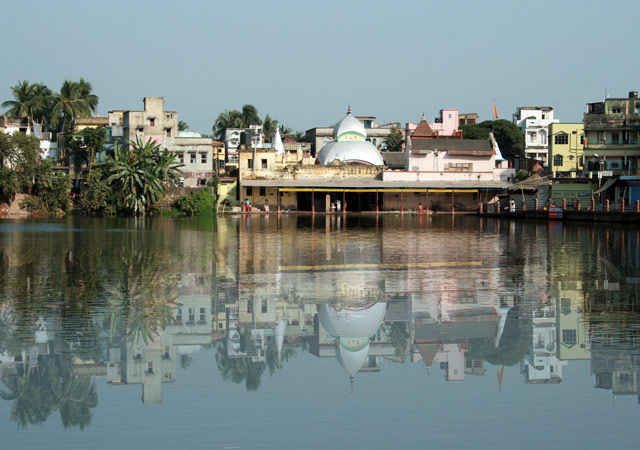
(349, 110)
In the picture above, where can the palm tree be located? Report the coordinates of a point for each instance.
(31, 100)
(250, 116)
(75, 99)
(269, 127)
(24, 95)
(227, 119)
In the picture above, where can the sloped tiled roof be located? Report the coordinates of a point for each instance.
(423, 129)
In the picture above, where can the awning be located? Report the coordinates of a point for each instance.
(606, 186)
(382, 190)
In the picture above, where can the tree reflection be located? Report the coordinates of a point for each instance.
(239, 370)
(48, 388)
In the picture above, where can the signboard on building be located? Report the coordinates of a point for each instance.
(555, 212)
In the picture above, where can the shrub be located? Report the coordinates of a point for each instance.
(31, 204)
(195, 202)
(95, 199)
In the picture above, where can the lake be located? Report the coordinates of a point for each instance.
(320, 332)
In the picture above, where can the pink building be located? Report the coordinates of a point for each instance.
(445, 125)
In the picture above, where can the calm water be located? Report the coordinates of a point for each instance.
(325, 333)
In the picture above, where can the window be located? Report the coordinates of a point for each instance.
(544, 116)
(565, 306)
(152, 122)
(374, 142)
(582, 139)
(203, 158)
(601, 137)
(615, 110)
(263, 307)
(168, 132)
(557, 160)
(192, 158)
(181, 158)
(192, 314)
(150, 367)
(449, 116)
(533, 136)
(263, 191)
(202, 315)
(264, 163)
(179, 315)
(249, 191)
(615, 138)
(569, 337)
(250, 163)
(633, 137)
(249, 307)
(561, 139)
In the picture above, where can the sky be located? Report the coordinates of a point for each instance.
(304, 62)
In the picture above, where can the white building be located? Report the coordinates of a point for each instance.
(534, 122)
(235, 137)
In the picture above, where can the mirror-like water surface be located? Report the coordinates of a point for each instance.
(326, 332)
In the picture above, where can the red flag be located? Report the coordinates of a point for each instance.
(495, 110)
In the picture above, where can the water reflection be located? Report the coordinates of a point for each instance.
(131, 302)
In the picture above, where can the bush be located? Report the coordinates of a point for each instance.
(52, 188)
(522, 175)
(31, 204)
(9, 185)
(95, 199)
(195, 202)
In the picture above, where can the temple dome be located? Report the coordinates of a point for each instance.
(348, 126)
(349, 144)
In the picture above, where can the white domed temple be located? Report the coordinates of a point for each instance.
(349, 144)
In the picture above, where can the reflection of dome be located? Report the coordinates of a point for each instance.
(352, 322)
(349, 144)
(352, 353)
(352, 328)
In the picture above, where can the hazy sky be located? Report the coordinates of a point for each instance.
(302, 62)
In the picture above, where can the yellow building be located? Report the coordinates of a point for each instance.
(566, 145)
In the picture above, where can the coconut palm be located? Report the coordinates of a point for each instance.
(75, 99)
(227, 119)
(30, 100)
(250, 116)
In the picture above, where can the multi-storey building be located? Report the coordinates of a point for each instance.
(534, 122)
(611, 147)
(566, 148)
(192, 150)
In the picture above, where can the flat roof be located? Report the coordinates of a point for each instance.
(371, 183)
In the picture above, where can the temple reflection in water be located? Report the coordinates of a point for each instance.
(372, 292)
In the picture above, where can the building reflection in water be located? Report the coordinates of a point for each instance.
(502, 294)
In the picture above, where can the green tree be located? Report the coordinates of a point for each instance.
(140, 174)
(97, 193)
(52, 188)
(250, 116)
(182, 126)
(85, 145)
(25, 157)
(74, 100)
(507, 134)
(30, 100)
(227, 119)
(394, 140)
(473, 131)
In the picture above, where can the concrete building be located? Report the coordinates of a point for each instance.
(192, 150)
(566, 146)
(534, 122)
(247, 137)
(445, 125)
(611, 147)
